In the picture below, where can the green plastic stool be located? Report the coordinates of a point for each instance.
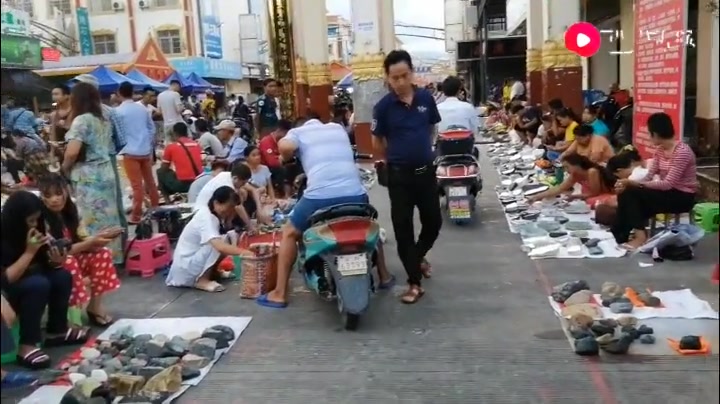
(707, 216)
(10, 357)
(237, 266)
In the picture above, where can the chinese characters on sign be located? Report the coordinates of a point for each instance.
(670, 39)
(659, 65)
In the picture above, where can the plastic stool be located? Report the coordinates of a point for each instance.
(144, 257)
(707, 216)
(667, 219)
(11, 356)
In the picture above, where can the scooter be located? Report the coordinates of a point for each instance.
(337, 255)
(458, 173)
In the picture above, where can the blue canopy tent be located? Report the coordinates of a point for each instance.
(109, 80)
(139, 76)
(345, 82)
(186, 85)
(201, 81)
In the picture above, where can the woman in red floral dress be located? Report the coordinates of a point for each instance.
(87, 256)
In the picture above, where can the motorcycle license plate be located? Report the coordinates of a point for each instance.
(457, 191)
(459, 209)
(352, 264)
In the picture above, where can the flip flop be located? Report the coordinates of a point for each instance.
(263, 301)
(387, 285)
(212, 287)
(628, 247)
(15, 380)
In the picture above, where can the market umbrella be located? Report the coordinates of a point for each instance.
(186, 85)
(139, 76)
(345, 82)
(109, 80)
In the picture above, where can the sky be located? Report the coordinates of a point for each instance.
(430, 14)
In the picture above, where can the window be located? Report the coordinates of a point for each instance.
(101, 6)
(166, 3)
(104, 44)
(330, 50)
(170, 41)
(63, 6)
(24, 5)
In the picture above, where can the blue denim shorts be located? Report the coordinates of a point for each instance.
(300, 215)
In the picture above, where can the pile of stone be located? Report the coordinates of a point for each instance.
(592, 333)
(141, 368)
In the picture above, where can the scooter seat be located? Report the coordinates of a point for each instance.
(464, 159)
(343, 210)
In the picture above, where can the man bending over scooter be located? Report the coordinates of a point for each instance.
(332, 179)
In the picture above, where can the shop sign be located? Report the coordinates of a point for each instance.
(15, 22)
(50, 54)
(661, 43)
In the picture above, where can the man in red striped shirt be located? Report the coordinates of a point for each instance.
(669, 187)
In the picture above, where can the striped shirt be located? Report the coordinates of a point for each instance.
(676, 170)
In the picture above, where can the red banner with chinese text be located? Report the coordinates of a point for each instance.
(661, 39)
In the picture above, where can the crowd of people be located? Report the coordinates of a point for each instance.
(625, 189)
(71, 231)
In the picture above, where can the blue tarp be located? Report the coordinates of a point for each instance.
(202, 82)
(109, 80)
(346, 81)
(139, 76)
(186, 85)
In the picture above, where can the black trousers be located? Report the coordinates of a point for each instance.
(636, 205)
(30, 295)
(410, 188)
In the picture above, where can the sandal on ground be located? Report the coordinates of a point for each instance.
(628, 247)
(73, 336)
(34, 360)
(412, 295)
(212, 287)
(15, 380)
(426, 269)
(389, 284)
(99, 320)
(263, 301)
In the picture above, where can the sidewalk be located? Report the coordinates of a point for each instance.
(484, 332)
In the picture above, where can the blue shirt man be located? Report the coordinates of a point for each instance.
(407, 128)
(140, 134)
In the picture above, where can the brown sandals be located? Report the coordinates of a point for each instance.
(412, 295)
(426, 269)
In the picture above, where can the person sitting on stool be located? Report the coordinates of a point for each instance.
(403, 127)
(185, 156)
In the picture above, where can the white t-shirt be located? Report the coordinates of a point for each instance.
(517, 89)
(170, 105)
(193, 253)
(209, 141)
(220, 180)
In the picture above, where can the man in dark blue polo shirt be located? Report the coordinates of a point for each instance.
(267, 117)
(403, 127)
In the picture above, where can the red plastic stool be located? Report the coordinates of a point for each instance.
(715, 278)
(147, 256)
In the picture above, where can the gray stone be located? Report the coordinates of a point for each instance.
(621, 307)
(137, 362)
(155, 348)
(86, 367)
(195, 361)
(161, 337)
(112, 365)
(586, 346)
(142, 338)
(563, 291)
(618, 346)
(173, 348)
(204, 347)
(647, 339)
(149, 371)
(99, 375)
(189, 373)
(123, 359)
(73, 369)
(89, 353)
(184, 343)
(165, 362)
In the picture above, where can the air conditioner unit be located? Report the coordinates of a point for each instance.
(118, 6)
(144, 4)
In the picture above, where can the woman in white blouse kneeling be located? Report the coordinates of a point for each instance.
(202, 244)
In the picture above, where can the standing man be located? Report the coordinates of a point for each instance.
(137, 153)
(170, 105)
(266, 118)
(403, 127)
(208, 107)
